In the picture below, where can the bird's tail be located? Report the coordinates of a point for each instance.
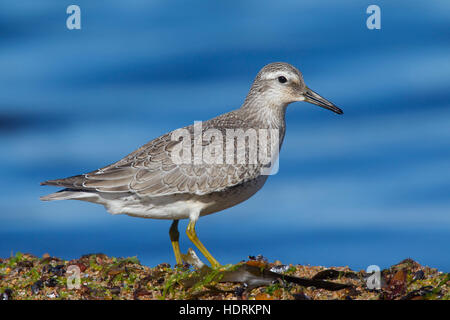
(67, 194)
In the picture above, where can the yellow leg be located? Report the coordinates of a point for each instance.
(174, 236)
(190, 231)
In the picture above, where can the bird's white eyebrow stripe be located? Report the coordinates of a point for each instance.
(276, 74)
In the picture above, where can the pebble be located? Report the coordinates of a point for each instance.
(6, 295)
(301, 296)
(279, 269)
(37, 286)
(52, 295)
(419, 275)
(56, 270)
(115, 290)
(51, 282)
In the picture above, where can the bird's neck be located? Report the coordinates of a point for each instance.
(265, 113)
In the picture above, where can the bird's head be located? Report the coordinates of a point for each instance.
(280, 84)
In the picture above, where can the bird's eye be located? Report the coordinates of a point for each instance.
(282, 79)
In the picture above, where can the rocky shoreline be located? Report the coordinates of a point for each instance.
(100, 277)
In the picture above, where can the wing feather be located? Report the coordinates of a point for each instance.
(150, 171)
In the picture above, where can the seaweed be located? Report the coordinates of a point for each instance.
(24, 276)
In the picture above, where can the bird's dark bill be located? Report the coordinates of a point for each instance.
(312, 97)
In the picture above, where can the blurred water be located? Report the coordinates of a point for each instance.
(370, 187)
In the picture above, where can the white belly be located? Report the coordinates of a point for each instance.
(172, 208)
(175, 207)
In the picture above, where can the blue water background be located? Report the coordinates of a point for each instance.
(369, 187)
